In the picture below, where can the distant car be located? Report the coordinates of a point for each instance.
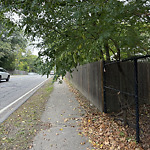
(32, 73)
(52, 72)
(4, 75)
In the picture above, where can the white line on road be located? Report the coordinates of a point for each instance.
(2, 110)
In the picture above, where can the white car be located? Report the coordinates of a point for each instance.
(32, 73)
(4, 75)
(52, 72)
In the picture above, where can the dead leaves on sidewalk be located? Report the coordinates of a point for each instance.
(102, 130)
(104, 133)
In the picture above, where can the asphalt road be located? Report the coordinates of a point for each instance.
(16, 91)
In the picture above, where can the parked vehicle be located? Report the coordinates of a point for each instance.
(4, 75)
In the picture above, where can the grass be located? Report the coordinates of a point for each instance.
(18, 131)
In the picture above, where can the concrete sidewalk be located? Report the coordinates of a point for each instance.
(62, 111)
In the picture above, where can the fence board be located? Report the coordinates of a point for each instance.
(88, 80)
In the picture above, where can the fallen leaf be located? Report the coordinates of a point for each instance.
(66, 120)
(106, 142)
(82, 143)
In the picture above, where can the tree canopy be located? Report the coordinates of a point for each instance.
(13, 52)
(80, 31)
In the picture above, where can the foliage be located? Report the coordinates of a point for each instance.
(80, 31)
(9, 46)
(13, 52)
(25, 61)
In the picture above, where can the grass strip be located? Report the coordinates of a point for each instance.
(18, 131)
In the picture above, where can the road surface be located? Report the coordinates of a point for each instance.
(16, 91)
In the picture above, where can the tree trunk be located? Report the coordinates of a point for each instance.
(107, 50)
(118, 49)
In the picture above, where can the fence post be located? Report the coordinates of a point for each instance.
(136, 99)
(104, 89)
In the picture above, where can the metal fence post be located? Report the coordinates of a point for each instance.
(104, 89)
(136, 99)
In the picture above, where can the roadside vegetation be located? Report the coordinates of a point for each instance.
(18, 131)
(14, 53)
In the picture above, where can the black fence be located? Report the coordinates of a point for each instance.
(126, 84)
(119, 87)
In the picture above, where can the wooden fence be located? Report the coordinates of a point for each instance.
(87, 79)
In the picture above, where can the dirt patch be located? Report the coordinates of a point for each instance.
(18, 131)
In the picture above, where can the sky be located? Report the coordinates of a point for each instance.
(33, 49)
(15, 18)
(35, 52)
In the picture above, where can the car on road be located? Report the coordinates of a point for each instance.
(32, 73)
(52, 72)
(4, 75)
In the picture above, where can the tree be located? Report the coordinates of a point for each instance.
(27, 62)
(80, 31)
(10, 47)
(6, 53)
(13, 52)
